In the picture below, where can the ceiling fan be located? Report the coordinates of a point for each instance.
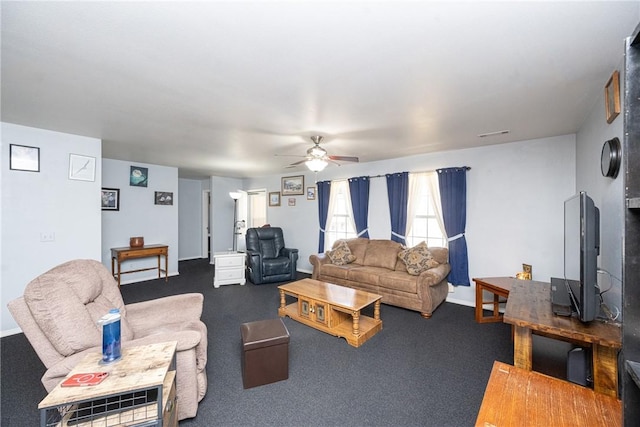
(317, 158)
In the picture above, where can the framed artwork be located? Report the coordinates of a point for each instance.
(138, 176)
(110, 199)
(612, 96)
(292, 201)
(163, 198)
(274, 198)
(24, 158)
(82, 168)
(293, 185)
(311, 193)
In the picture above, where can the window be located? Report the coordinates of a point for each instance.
(424, 221)
(340, 223)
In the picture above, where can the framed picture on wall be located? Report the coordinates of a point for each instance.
(612, 96)
(274, 198)
(110, 199)
(311, 193)
(293, 185)
(138, 176)
(163, 198)
(24, 158)
(82, 168)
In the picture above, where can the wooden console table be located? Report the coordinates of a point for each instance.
(518, 397)
(118, 255)
(529, 310)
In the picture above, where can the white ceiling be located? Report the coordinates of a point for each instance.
(220, 88)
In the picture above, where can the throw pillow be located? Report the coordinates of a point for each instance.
(341, 254)
(418, 259)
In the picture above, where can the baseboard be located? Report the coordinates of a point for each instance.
(191, 258)
(10, 332)
(144, 279)
(460, 302)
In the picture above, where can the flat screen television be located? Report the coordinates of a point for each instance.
(581, 250)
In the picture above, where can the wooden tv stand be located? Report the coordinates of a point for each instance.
(529, 311)
(332, 309)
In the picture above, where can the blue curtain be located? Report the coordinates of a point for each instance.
(324, 190)
(359, 189)
(398, 192)
(453, 194)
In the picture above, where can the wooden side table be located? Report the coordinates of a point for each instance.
(139, 390)
(499, 287)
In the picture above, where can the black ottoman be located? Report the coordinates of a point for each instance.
(265, 352)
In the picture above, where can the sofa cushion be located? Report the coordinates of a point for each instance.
(332, 270)
(341, 254)
(382, 253)
(418, 259)
(399, 280)
(369, 275)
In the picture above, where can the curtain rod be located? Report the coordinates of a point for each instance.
(382, 176)
(435, 170)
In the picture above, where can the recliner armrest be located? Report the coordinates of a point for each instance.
(290, 253)
(172, 309)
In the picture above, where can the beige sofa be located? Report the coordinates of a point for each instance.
(378, 269)
(60, 309)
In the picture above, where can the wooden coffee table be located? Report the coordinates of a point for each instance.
(332, 309)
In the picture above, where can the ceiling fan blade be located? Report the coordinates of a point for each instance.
(288, 155)
(298, 163)
(345, 158)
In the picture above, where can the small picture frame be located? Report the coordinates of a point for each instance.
(138, 176)
(311, 193)
(163, 198)
(110, 199)
(291, 201)
(274, 198)
(612, 97)
(293, 185)
(24, 158)
(82, 168)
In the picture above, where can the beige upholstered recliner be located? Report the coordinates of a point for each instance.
(58, 314)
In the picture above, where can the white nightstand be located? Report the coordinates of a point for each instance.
(229, 268)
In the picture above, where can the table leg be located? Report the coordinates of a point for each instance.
(496, 306)
(356, 322)
(605, 370)
(479, 289)
(281, 311)
(376, 310)
(159, 271)
(166, 267)
(522, 348)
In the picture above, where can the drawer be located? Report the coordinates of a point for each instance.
(234, 261)
(226, 274)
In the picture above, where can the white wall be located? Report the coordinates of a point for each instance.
(190, 220)
(607, 193)
(515, 195)
(139, 216)
(222, 212)
(45, 202)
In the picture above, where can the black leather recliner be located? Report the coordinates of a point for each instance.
(268, 260)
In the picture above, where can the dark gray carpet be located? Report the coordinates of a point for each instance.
(414, 372)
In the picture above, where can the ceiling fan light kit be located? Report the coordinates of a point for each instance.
(317, 158)
(316, 165)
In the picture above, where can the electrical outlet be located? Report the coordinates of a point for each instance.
(48, 237)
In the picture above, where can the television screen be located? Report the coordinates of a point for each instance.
(581, 248)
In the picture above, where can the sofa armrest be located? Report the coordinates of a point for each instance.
(317, 260)
(182, 308)
(434, 275)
